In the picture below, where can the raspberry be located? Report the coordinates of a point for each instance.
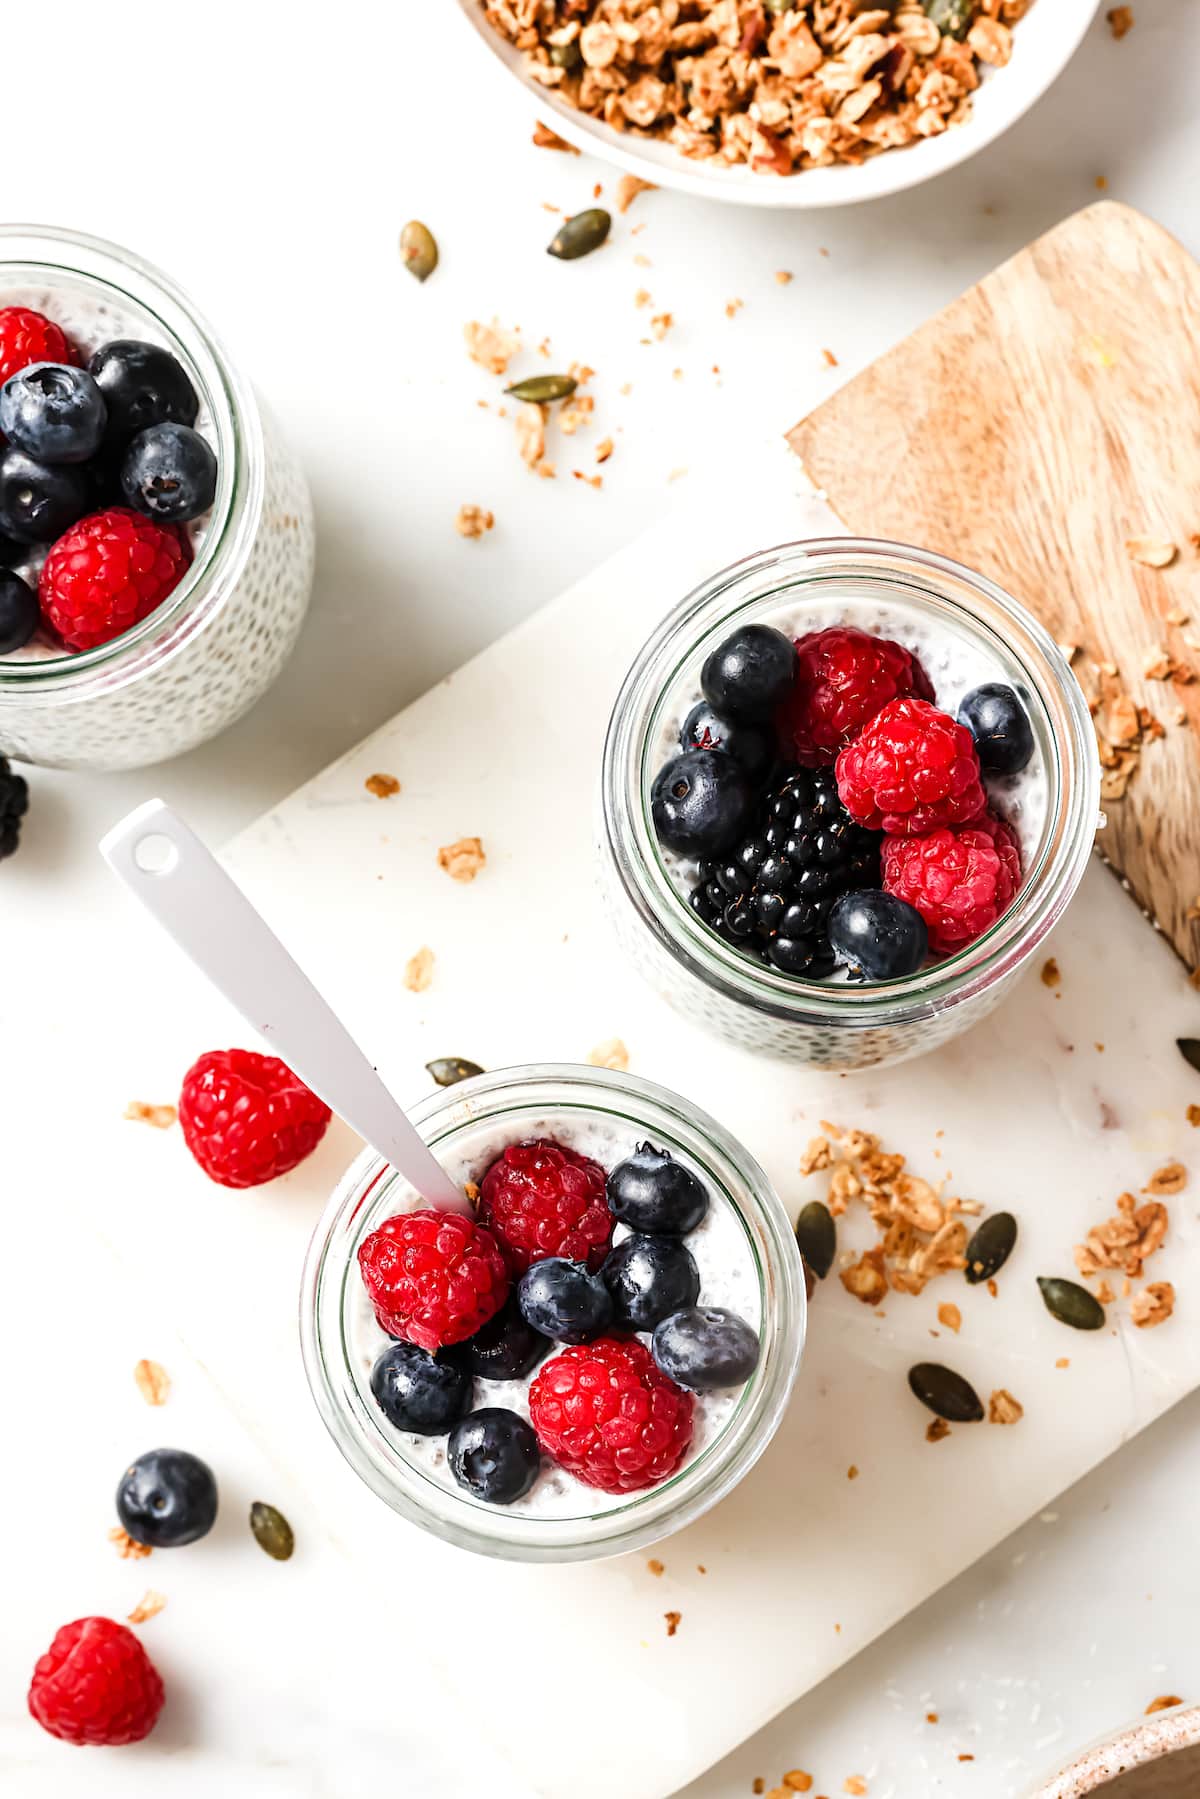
(960, 881)
(608, 1414)
(96, 1684)
(107, 573)
(843, 677)
(247, 1118)
(434, 1277)
(27, 336)
(542, 1199)
(910, 769)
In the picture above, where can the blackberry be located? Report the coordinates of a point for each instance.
(14, 802)
(771, 893)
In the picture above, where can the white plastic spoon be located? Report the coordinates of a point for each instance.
(178, 879)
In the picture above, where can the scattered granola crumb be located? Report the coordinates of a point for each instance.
(628, 189)
(1153, 1305)
(1178, 617)
(1152, 552)
(866, 1278)
(965, 1756)
(674, 1619)
(530, 425)
(1193, 1115)
(676, 474)
(596, 481)
(473, 521)
(490, 346)
(1064, 1361)
(1157, 665)
(936, 1430)
(127, 1549)
(655, 1566)
(783, 276)
(854, 1783)
(463, 860)
(1172, 1178)
(831, 360)
(1003, 1408)
(797, 1781)
(733, 307)
(758, 1784)
(700, 1568)
(993, 1289)
(931, 1717)
(545, 139)
(660, 324)
(1120, 20)
(148, 1606)
(604, 449)
(1101, 182)
(1105, 1293)
(1163, 1703)
(418, 970)
(950, 1316)
(471, 1190)
(612, 1053)
(642, 297)
(1130, 1237)
(852, 1472)
(153, 1382)
(382, 786)
(1051, 973)
(161, 1117)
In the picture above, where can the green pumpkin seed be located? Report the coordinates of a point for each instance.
(990, 1247)
(581, 235)
(946, 1394)
(566, 56)
(816, 1234)
(952, 17)
(446, 1070)
(1189, 1049)
(272, 1531)
(542, 389)
(1072, 1304)
(418, 246)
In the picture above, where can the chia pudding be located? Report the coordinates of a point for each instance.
(591, 1486)
(847, 788)
(229, 614)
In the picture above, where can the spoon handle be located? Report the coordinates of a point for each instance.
(178, 880)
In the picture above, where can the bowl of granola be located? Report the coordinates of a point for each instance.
(780, 102)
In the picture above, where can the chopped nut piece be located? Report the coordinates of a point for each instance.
(1051, 975)
(1152, 552)
(612, 1053)
(161, 1117)
(489, 346)
(545, 139)
(950, 1316)
(1170, 1179)
(127, 1549)
(1153, 1305)
(628, 189)
(655, 1566)
(866, 1278)
(153, 1382)
(674, 1620)
(1120, 20)
(604, 449)
(1163, 1703)
(418, 970)
(1003, 1408)
(148, 1606)
(473, 521)
(936, 1429)
(382, 786)
(463, 860)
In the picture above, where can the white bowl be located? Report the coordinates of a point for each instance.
(1043, 44)
(1156, 1758)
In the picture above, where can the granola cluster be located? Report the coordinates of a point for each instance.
(1124, 1243)
(780, 85)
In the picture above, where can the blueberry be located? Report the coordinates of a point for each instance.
(167, 1498)
(562, 1300)
(704, 1347)
(18, 612)
(650, 1191)
(700, 802)
(169, 472)
(12, 552)
(649, 1277)
(142, 385)
(53, 412)
(505, 1348)
(877, 935)
(1000, 726)
(417, 1392)
(39, 503)
(749, 745)
(750, 673)
(494, 1454)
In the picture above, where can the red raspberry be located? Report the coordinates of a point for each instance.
(247, 1118)
(609, 1415)
(433, 1277)
(910, 769)
(960, 881)
(27, 336)
(96, 1684)
(843, 677)
(542, 1199)
(107, 573)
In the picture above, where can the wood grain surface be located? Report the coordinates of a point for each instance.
(1034, 428)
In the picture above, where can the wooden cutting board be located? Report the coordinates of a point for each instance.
(1031, 430)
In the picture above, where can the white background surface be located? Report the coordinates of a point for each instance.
(276, 199)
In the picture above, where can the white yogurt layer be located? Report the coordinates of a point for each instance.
(955, 661)
(728, 1278)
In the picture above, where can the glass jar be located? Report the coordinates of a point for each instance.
(221, 637)
(475, 1119)
(831, 1024)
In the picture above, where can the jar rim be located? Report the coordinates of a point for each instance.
(639, 1519)
(976, 603)
(32, 253)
